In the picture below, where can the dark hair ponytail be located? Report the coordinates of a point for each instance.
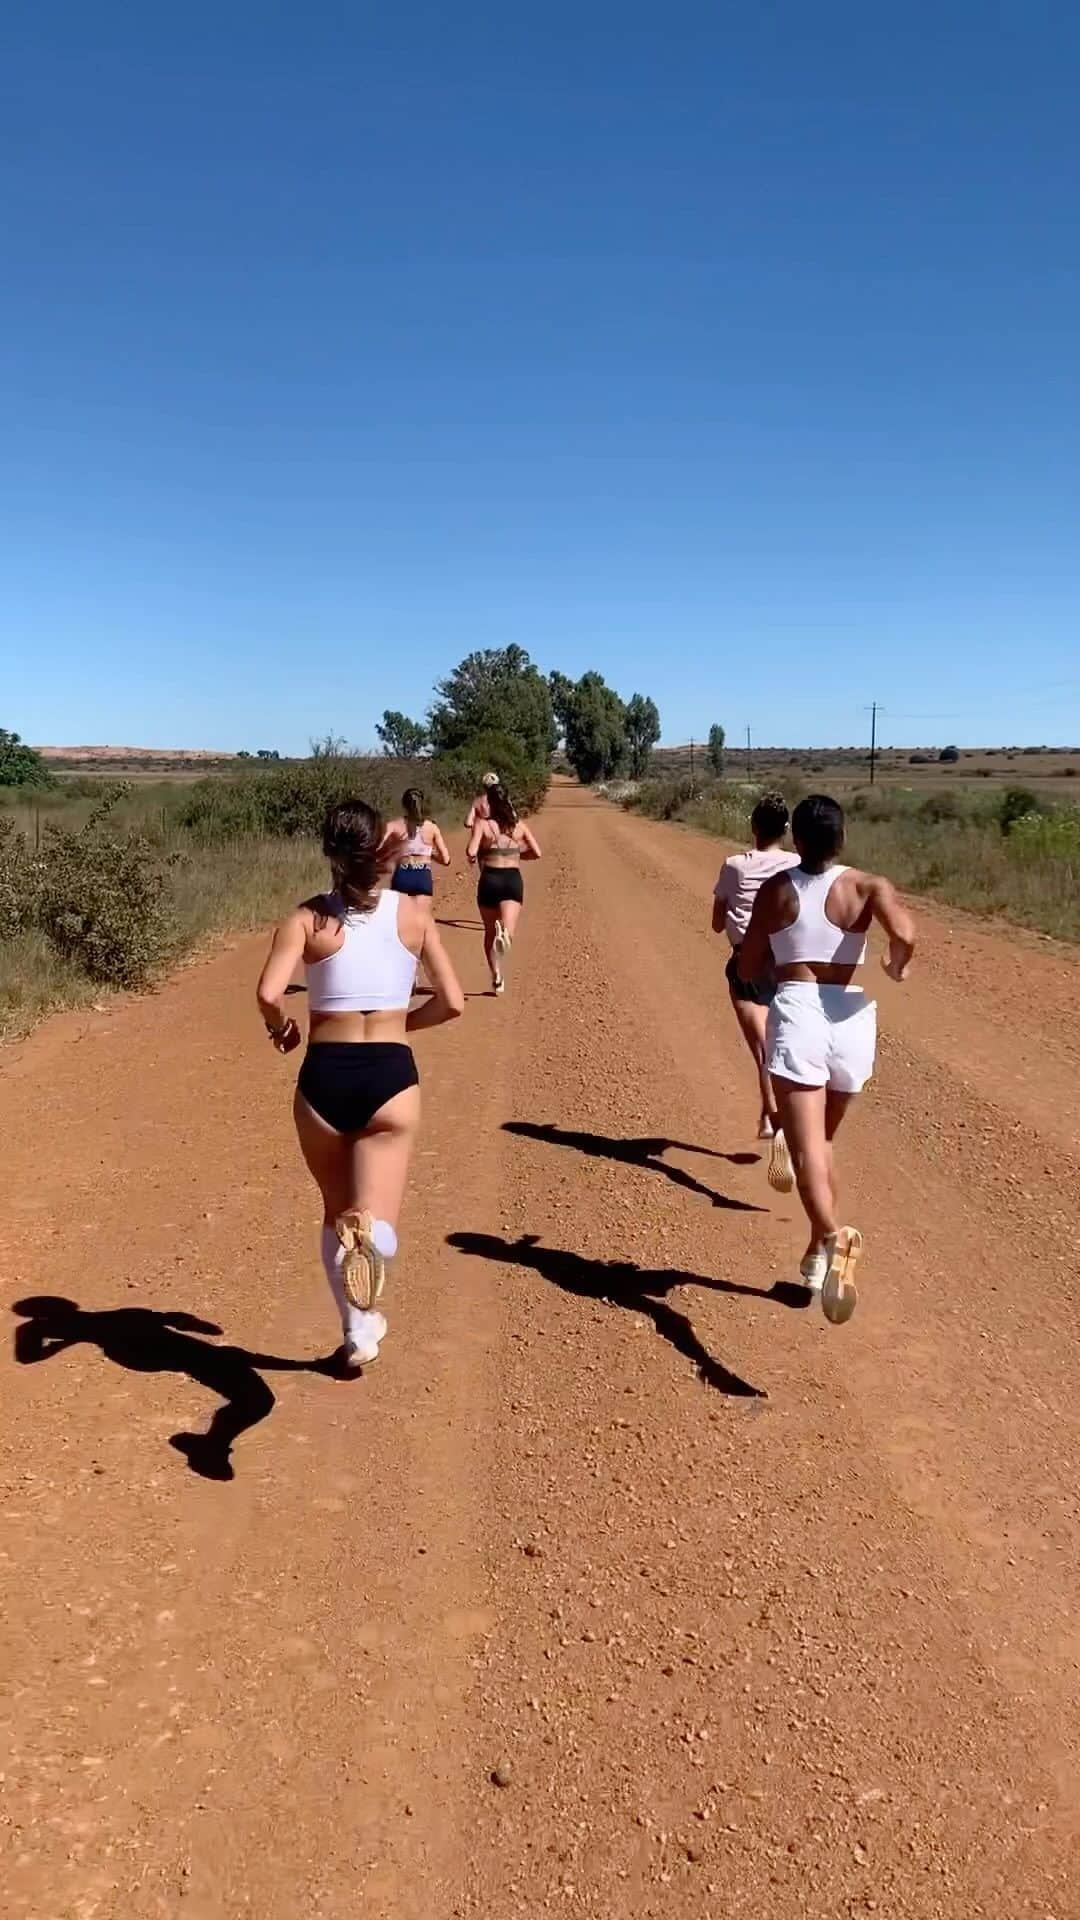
(412, 806)
(352, 836)
(502, 808)
(769, 819)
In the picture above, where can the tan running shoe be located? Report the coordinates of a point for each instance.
(363, 1271)
(503, 940)
(781, 1164)
(839, 1295)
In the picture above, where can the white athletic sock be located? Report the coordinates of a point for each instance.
(384, 1239)
(333, 1257)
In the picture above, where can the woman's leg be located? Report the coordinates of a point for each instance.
(490, 918)
(751, 1019)
(380, 1158)
(509, 915)
(803, 1118)
(360, 1174)
(836, 1106)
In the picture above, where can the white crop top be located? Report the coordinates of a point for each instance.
(371, 971)
(812, 935)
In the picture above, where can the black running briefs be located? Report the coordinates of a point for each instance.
(498, 884)
(346, 1081)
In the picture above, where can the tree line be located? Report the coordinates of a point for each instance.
(498, 709)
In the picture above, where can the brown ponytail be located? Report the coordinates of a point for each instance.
(502, 808)
(352, 836)
(412, 806)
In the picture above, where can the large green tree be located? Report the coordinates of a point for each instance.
(20, 765)
(715, 750)
(496, 691)
(595, 728)
(642, 732)
(401, 737)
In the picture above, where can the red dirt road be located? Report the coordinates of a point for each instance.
(765, 1618)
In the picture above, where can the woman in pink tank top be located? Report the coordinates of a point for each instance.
(736, 890)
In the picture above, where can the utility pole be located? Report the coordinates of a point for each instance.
(749, 763)
(691, 769)
(873, 710)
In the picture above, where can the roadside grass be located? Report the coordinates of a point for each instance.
(1019, 862)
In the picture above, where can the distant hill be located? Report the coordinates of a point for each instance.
(90, 756)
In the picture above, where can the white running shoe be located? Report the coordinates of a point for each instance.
(839, 1296)
(781, 1164)
(503, 940)
(812, 1270)
(498, 984)
(363, 1339)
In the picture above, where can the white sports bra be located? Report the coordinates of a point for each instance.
(415, 847)
(371, 971)
(812, 936)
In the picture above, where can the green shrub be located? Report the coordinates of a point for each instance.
(291, 800)
(1015, 803)
(460, 769)
(103, 902)
(20, 881)
(1047, 836)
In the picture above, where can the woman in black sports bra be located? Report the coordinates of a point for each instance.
(500, 843)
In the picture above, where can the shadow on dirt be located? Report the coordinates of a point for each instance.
(639, 1289)
(145, 1341)
(647, 1152)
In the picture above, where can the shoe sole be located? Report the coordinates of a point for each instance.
(363, 1272)
(781, 1166)
(839, 1295)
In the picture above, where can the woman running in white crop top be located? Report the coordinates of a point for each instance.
(811, 923)
(412, 843)
(357, 1104)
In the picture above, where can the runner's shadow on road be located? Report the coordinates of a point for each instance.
(646, 1151)
(639, 1289)
(144, 1341)
(467, 926)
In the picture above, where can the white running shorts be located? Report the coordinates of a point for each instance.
(821, 1036)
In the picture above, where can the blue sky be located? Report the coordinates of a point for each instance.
(729, 350)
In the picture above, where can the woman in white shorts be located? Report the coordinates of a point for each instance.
(812, 923)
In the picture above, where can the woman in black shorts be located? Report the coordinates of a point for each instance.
(357, 1104)
(500, 843)
(733, 900)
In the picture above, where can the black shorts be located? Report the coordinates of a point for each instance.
(346, 1081)
(756, 993)
(498, 884)
(413, 880)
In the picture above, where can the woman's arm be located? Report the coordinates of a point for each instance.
(891, 914)
(471, 817)
(475, 843)
(530, 848)
(721, 898)
(439, 847)
(755, 953)
(447, 1002)
(286, 952)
